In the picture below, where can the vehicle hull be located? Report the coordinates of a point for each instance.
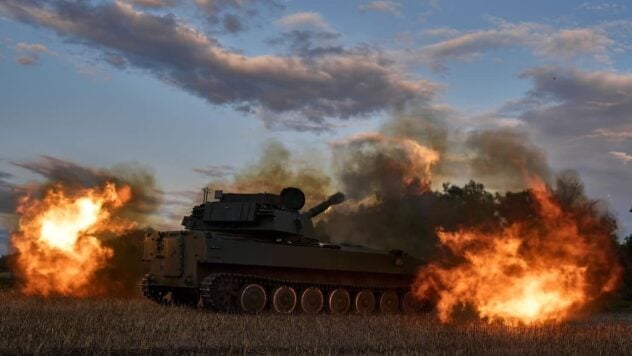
(182, 264)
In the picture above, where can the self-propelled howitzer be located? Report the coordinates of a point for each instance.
(251, 252)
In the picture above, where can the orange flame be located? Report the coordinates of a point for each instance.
(58, 250)
(526, 273)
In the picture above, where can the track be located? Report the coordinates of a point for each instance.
(223, 292)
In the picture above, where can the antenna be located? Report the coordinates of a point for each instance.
(205, 190)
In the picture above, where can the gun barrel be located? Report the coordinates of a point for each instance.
(319, 208)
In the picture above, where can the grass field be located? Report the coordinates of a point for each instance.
(98, 326)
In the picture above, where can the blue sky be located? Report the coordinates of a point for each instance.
(76, 86)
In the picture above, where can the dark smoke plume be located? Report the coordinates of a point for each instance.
(397, 182)
(275, 170)
(505, 158)
(72, 176)
(395, 178)
(393, 181)
(122, 275)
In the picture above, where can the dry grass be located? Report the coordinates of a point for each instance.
(98, 326)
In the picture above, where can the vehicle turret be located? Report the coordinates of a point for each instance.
(260, 214)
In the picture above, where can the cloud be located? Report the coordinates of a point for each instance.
(304, 20)
(27, 61)
(294, 121)
(433, 7)
(445, 32)
(543, 40)
(572, 102)
(609, 134)
(622, 156)
(220, 171)
(309, 43)
(32, 47)
(233, 23)
(30, 53)
(355, 83)
(233, 16)
(156, 4)
(572, 43)
(382, 6)
(115, 60)
(600, 7)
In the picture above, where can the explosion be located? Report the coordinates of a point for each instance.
(530, 272)
(59, 251)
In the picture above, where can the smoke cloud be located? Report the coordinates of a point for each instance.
(397, 180)
(122, 274)
(506, 158)
(401, 198)
(277, 169)
(72, 176)
(411, 179)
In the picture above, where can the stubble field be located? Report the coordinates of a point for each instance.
(102, 326)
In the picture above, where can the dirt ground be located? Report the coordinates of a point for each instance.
(103, 326)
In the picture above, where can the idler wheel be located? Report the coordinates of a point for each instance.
(312, 300)
(339, 301)
(284, 300)
(252, 298)
(410, 304)
(389, 302)
(365, 302)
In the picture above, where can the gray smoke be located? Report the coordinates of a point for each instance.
(276, 169)
(72, 176)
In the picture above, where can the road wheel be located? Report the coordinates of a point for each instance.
(389, 302)
(284, 300)
(252, 298)
(365, 302)
(339, 301)
(312, 300)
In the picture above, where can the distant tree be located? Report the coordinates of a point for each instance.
(626, 262)
(6, 262)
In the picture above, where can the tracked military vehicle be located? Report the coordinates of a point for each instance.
(255, 252)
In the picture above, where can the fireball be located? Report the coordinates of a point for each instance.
(527, 273)
(59, 251)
